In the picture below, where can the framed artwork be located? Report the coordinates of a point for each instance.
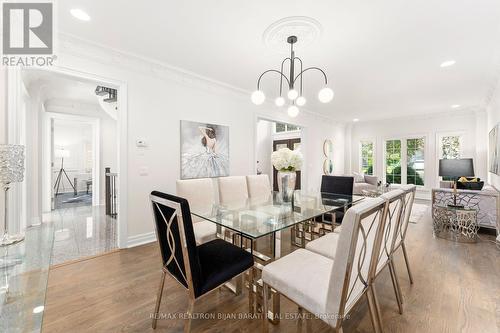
(204, 150)
(494, 150)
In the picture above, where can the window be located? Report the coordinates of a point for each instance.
(367, 157)
(393, 161)
(282, 127)
(415, 161)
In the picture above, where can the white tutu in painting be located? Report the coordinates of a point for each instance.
(204, 150)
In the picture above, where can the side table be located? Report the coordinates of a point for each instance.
(458, 224)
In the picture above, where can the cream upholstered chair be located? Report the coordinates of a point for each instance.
(393, 219)
(200, 195)
(233, 190)
(399, 242)
(330, 288)
(258, 186)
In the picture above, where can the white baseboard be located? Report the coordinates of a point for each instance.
(141, 239)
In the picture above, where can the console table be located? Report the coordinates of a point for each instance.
(486, 202)
(455, 223)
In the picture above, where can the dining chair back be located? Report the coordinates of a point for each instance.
(393, 218)
(359, 243)
(232, 189)
(199, 193)
(258, 186)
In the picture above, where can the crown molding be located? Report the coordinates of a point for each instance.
(469, 111)
(72, 45)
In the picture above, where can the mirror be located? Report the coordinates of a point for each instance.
(328, 167)
(327, 148)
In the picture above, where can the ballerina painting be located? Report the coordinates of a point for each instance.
(204, 150)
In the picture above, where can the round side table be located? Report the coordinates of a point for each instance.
(458, 224)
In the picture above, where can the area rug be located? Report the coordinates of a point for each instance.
(417, 212)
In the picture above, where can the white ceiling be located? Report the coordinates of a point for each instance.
(382, 57)
(55, 86)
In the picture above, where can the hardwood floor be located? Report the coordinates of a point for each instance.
(456, 289)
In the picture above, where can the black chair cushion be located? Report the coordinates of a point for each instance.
(221, 261)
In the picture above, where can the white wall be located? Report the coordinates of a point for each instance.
(429, 127)
(159, 97)
(493, 118)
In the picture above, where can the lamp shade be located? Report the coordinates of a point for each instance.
(11, 163)
(460, 167)
(61, 152)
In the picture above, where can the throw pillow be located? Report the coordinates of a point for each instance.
(358, 177)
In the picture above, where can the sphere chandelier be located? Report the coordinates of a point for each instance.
(295, 96)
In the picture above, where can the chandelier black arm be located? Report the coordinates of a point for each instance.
(281, 77)
(305, 70)
(271, 70)
(301, 71)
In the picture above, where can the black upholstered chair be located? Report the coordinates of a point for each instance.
(200, 269)
(336, 185)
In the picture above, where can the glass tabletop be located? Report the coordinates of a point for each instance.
(260, 216)
(24, 270)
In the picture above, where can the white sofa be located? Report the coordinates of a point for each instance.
(364, 182)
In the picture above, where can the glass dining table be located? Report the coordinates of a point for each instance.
(256, 217)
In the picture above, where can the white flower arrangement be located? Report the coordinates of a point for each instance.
(285, 159)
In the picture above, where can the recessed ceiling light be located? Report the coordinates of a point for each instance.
(355, 120)
(80, 14)
(448, 63)
(455, 106)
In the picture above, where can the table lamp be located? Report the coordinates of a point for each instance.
(11, 171)
(456, 168)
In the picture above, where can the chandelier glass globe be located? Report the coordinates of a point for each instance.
(325, 95)
(258, 97)
(300, 101)
(292, 94)
(279, 101)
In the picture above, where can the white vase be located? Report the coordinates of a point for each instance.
(286, 184)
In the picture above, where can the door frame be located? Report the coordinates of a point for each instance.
(303, 143)
(16, 124)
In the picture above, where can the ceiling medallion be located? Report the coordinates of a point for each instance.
(296, 97)
(306, 29)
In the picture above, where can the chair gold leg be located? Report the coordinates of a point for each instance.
(251, 300)
(405, 254)
(265, 291)
(377, 306)
(187, 324)
(276, 308)
(395, 284)
(373, 311)
(158, 298)
(238, 285)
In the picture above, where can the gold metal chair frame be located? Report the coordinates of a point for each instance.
(187, 267)
(369, 290)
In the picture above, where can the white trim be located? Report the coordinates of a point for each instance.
(141, 239)
(122, 129)
(374, 153)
